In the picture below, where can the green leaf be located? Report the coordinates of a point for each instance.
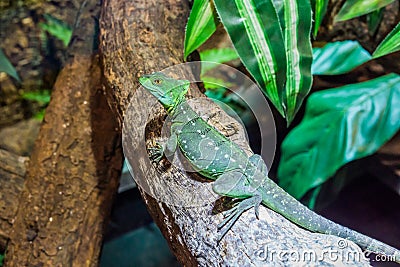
(7, 67)
(340, 125)
(215, 91)
(373, 20)
(297, 35)
(40, 114)
(201, 25)
(57, 28)
(390, 44)
(256, 34)
(218, 55)
(38, 96)
(313, 197)
(356, 8)
(319, 7)
(338, 58)
(215, 83)
(1, 259)
(274, 45)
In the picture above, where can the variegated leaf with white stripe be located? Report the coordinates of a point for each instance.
(297, 30)
(272, 39)
(201, 25)
(390, 44)
(255, 31)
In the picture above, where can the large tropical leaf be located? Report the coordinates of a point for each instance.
(297, 34)
(201, 25)
(272, 38)
(390, 44)
(338, 58)
(356, 8)
(255, 31)
(340, 125)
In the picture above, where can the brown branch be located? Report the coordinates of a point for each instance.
(74, 168)
(143, 36)
(12, 173)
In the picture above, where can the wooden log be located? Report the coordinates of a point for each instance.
(74, 168)
(12, 173)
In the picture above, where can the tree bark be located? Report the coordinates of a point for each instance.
(139, 37)
(12, 173)
(74, 168)
(28, 48)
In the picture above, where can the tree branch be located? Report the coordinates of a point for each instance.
(75, 165)
(12, 173)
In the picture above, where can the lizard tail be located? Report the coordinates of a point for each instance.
(280, 201)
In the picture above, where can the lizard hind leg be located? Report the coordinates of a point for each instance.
(233, 214)
(234, 184)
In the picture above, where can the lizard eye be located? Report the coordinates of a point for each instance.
(157, 81)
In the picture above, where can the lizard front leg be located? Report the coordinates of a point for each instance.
(159, 150)
(167, 149)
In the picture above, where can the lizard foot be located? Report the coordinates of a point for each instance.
(156, 152)
(231, 216)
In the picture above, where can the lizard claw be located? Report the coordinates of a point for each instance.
(156, 152)
(233, 214)
(257, 200)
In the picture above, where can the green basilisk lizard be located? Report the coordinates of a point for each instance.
(236, 174)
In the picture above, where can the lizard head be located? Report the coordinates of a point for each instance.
(167, 90)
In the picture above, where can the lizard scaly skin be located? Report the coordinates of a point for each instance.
(237, 175)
